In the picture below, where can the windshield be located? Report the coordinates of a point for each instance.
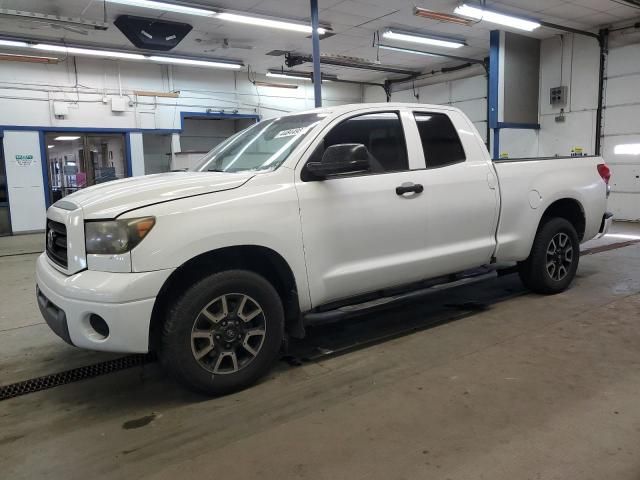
(262, 147)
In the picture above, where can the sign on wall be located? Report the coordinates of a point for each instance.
(24, 180)
(24, 160)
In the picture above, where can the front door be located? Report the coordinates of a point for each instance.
(359, 233)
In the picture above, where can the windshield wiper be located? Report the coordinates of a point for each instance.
(215, 170)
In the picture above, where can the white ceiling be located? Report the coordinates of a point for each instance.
(354, 23)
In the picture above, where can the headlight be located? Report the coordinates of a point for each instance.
(113, 237)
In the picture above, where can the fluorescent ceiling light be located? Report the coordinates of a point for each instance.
(627, 149)
(267, 22)
(88, 51)
(166, 7)
(197, 63)
(50, 146)
(411, 37)
(12, 43)
(275, 85)
(64, 138)
(406, 50)
(128, 56)
(287, 75)
(495, 17)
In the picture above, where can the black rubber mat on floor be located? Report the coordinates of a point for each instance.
(74, 375)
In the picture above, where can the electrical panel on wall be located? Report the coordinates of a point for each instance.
(558, 96)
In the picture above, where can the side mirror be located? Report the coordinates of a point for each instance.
(341, 159)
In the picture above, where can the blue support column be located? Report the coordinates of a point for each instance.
(315, 37)
(494, 79)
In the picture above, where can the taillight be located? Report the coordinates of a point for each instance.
(605, 172)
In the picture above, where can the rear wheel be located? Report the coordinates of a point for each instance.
(224, 333)
(553, 261)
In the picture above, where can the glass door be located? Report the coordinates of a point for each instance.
(80, 160)
(5, 216)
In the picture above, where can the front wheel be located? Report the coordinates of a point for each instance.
(224, 333)
(553, 261)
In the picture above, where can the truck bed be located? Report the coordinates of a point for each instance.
(529, 186)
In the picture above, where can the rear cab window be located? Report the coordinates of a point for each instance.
(440, 141)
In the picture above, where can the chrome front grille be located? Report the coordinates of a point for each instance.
(56, 243)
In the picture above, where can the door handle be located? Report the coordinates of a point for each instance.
(409, 188)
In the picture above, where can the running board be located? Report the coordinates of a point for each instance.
(340, 313)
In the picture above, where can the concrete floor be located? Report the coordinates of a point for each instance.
(531, 387)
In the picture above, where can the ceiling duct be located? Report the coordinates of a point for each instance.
(292, 60)
(152, 34)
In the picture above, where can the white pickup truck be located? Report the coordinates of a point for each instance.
(299, 220)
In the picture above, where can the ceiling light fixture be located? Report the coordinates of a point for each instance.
(440, 16)
(274, 85)
(422, 39)
(196, 63)
(166, 7)
(228, 16)
(50, 146)
(114, 54)
(627, 149)
(13, 43)
(12, 57)
(267, 22)
(293, 75)
(65, 138)
(496, 17)
(406, 50)
(88, 51)
(288, 76)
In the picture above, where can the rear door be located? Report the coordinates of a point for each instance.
(359, 234)
(460, 197)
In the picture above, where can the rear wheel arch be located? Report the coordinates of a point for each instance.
(254, 258)
(571, 210)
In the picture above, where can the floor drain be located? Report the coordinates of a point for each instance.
(74, 375)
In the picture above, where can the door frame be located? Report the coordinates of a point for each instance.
(4, 167)
(42, 135)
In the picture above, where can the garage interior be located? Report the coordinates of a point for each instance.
(481, 380)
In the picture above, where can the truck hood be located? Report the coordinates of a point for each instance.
(110, 199)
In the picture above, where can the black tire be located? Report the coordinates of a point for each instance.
(178, 349)
(534, 272)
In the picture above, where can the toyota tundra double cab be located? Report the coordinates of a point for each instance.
(300, 220)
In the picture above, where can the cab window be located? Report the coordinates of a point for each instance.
(440, 141)
(380, 132)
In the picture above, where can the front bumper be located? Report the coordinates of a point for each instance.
(123, 300)
(605, 225)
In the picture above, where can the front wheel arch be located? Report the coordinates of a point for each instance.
(261, 260)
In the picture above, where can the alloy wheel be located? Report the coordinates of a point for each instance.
(228, 333)
(559, 256)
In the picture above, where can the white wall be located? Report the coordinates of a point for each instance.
(28, 91)
(622, 126)
(573, 60)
